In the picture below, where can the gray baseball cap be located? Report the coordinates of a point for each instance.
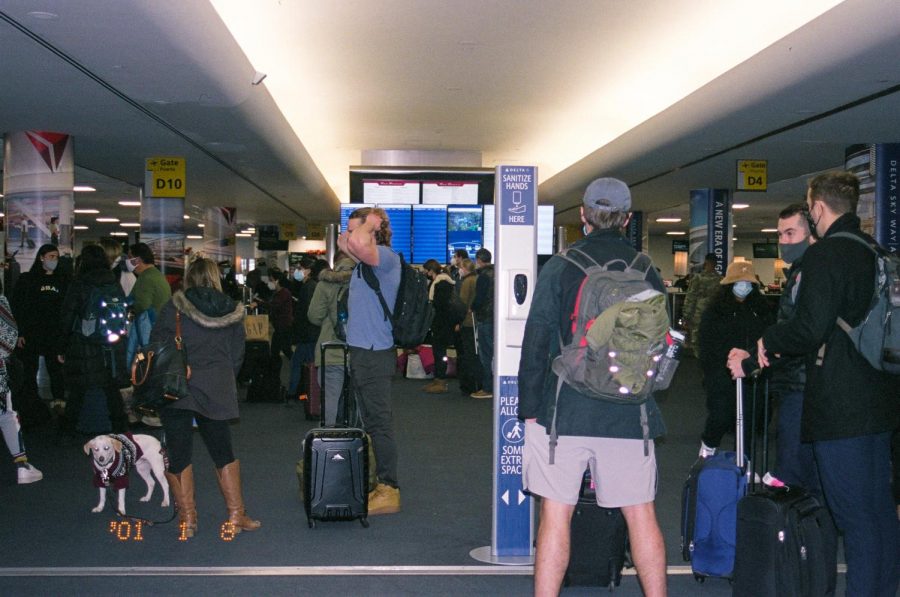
(608, 194)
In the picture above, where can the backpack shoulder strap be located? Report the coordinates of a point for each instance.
(578, 258)
(368, 274)
(874, 247)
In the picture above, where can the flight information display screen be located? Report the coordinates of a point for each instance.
(391, 192)
(450, 192)
(346, 210)
(464, 229)
(401, 225)
(429, 233)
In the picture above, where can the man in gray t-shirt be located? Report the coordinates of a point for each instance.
(370, 337)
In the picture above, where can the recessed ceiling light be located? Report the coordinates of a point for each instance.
(676, 233)
(187, 217)
(242, 234)
(2, 214)
(113, 220)
(80, 188)
(42, 15)
(201, 225)
(740, 206)
(734, 225)
(194, 236)
(130, 203)
(129, 225)
(673, 220)
(118, 234)
(86, 211)
(80, 227)
(734, 238)
(769, 230)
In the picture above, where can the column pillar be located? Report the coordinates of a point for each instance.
(710, 227)
(162, 215)
(876, 165)
(219, 230)
(38, 177)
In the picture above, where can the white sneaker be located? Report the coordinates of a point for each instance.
(29, 474)
(706, 451)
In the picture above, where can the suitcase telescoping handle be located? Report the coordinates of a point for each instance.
(345, 349)
(739, 424)
(754, 439)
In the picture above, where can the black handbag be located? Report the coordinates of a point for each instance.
(160, 373)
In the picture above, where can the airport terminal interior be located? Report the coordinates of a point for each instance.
(248, 132)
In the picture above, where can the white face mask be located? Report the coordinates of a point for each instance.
(130, 264)
(271, 285)
(742, 289)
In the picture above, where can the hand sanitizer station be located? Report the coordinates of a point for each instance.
(515, 271)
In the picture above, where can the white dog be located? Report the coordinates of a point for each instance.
(114, 455)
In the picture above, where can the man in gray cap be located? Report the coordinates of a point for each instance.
(605, 436)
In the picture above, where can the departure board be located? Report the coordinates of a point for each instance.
(429, 233)
(401, 225)
(463, 229)
(346, 210)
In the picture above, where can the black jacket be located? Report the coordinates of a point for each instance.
(789, 372)
(728, 324)
(844, 395)
(37, 305)
(88, 364)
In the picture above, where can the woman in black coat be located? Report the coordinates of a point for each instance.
(735, 318)
(88, 364)
(213, 332)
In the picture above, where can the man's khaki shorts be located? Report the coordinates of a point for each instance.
(622, 474)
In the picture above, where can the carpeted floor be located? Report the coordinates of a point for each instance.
(48, 533)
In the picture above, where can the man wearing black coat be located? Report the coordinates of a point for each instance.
(849, 408)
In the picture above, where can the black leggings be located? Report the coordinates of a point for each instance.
(178, 424)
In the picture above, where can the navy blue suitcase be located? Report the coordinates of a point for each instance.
(709, 507)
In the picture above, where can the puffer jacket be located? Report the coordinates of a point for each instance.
(213, 332)
(323, 307)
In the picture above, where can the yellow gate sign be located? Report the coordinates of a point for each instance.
(287, 232)
(752, 175)
(165, 177)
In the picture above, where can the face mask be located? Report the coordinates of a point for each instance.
(226, 270)
(794, 251)
(811, 223)
(130, 265)
(271, 285)
(742, 289)
(298, 275)
(585, 230)
(50, 264)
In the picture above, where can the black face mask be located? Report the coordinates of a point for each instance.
(811, 223)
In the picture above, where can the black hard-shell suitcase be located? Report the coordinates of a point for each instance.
(786, 540)
(265, 381)
(599, 541)
(336, 467)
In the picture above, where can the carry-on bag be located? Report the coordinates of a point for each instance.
(335, 469)
(709, 506)
(599, 540)
(786, 540)
(312, 405)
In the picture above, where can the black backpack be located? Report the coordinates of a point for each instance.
(413, 313)
(104, 316)
(343, 313)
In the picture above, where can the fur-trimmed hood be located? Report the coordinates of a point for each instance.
(208, 307)
(341, 273)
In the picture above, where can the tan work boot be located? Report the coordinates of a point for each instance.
(230, 484)
(182, 487)
(384, 499)
(438, 386)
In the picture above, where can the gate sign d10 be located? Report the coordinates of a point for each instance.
(165, 177)
(751, 175)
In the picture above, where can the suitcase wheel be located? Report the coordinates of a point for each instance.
(311, 523)
(699, 578)
(364, 522)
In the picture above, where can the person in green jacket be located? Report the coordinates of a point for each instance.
(323, 312)
(704, 286)
(151, 290)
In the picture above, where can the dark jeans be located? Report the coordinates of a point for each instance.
(114, 405)
(468, 366)
(178, 423)
(440, 364)
(795, 463)
(281, 342)
(855, 474)
(371, 372)
(486, 354)
(30, 363)
(721, 403)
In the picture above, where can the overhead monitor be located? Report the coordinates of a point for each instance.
(489, 228)
(449, 192)
(387, 191)
(429, 230)
(464, 229)
(765, 250)
(346, 210)
(545, 230)
(401, 227)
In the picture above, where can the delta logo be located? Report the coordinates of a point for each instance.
(50, 146)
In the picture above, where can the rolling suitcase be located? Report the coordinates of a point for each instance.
(786, 540)
(312, 406)
(709, 506)
(335, 473)
(265, 383)
(256, 355)
(599, 540)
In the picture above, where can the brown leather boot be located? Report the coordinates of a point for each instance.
(182, 487)
(230, 484)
